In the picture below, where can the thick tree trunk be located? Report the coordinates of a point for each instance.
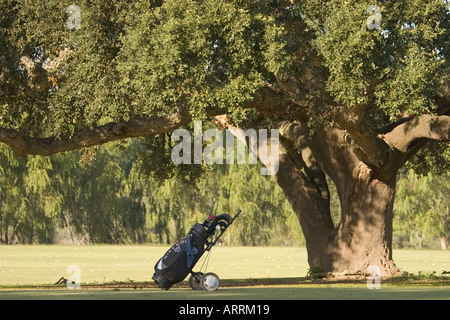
(312, 210)
(363, 237)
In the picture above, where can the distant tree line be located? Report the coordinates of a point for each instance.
(422, 209)
(122, 193)
(117, 193)
(88, 196)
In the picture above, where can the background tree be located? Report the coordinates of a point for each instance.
(353, 100)
(28, 206)
(175, 203)
(101, 202)
(111, 195)
(422, 207)
(95, 201)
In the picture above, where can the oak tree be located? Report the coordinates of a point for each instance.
(356, 89)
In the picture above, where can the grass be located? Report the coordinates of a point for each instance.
(105, 263)
(276, 272)
(247, 293)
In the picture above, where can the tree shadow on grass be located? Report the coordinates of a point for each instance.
(237, 293)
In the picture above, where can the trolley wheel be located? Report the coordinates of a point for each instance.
(194, 280)
(209, 281)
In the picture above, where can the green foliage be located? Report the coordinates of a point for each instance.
(97, 203)
(108, 199)
(175, 205)
(102, 204)
(135, 58)
(26, 203)
(422, 205)
(398, 67)
(130, 58)
(315, 273)
(433, 158)
(155, 160)
(200, 54)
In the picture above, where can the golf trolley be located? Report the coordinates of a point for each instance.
(181, 258)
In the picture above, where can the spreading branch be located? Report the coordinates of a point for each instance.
(367, 146)
(26, 145)
(265, 99)
(417, 128)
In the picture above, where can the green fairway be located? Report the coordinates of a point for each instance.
(105, 263)
(41, 264)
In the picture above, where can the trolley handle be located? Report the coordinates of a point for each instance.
(236, 215)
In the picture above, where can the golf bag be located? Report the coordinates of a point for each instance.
(179, 260)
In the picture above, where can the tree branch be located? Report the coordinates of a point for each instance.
(53, 65)
(25, 145)
(295, 139)
(43, 76)
(367, 145)
(266, 99)
(428, 127)
(264, 148)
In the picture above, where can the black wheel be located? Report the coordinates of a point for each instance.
(209, 281)
(194, 280)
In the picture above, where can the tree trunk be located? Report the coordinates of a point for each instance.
(444, 243)
(419, 239)
(363, 237)
(312, 210)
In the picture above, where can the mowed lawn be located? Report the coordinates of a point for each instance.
(41, 265)
(106, 263)
(45, 264)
